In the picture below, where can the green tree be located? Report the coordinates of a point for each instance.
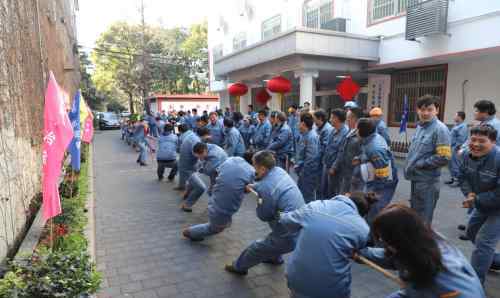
(114, 106)
(87, 87)
(131, 61)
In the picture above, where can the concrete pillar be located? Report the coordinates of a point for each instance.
(245, 100)
(307, 86)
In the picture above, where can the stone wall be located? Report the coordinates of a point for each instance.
(35, 36)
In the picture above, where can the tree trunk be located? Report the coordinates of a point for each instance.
(131, 103)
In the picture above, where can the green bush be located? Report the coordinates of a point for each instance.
(66, 270)
(51, 274)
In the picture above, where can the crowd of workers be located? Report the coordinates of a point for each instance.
(338, 207)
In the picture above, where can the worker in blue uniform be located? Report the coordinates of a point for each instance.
(376, 166)
(216, 129)
(210, 157)
(247, 131)
(479, 180)
(262, 131)
(459, 135)
(233, 176)
(324, 130)
(187, 160)
(166, 152)
(381, 128)
(428, 265)
(278, 193)
(429, 151)
(293, 123)
(330, 185)
(233, 141)
(329, 232)
(307, 162)
(281, 140)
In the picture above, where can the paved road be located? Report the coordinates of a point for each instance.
(142, 254)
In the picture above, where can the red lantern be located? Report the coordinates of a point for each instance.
(262, 96)
(347, 89)
(238, 89)
(279, 84)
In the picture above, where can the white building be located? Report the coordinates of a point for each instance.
(392, 48)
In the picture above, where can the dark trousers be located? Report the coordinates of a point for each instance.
(162, 164)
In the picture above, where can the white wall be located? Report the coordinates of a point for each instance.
(465, 20)
(187, 105)
(483, 75)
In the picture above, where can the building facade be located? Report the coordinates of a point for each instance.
(35, 37)
(183, 102)
(391, 48)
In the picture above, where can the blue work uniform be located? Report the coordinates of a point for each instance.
(195, 186)
(429, 151)
(381, 129)
(140, 140)
(456, 277)
(329, 232)
(247, 131)
(324, 132)
(459, 134)
(216, 133)
(481, 176)
(293, 123)
(187, 160)
(192, 121)
(166, 154)
(330, 185)
(282, 144)
(229, 189)
(376, 158)
(308, 164)
(262, 135)
(278, 193)
(344, 170)
(233, 142)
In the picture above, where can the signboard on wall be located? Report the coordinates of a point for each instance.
(379, 87)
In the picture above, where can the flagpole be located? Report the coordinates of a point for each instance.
(51, 227)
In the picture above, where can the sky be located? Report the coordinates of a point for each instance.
(95, 16)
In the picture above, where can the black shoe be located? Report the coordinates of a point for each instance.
(495, 267)
(463, 237)
(230, 268)
(142, 164)
(160, 178)
(186, 234)
(170, 179)
(186, 208)
(461, 227)
(449, 182)
(178, 188)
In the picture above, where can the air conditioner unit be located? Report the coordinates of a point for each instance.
(336, 24)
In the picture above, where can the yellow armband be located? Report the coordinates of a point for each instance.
(444, 151)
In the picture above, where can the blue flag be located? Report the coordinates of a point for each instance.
(74, 146)
(404, 118)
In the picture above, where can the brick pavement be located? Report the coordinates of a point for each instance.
(142, 254)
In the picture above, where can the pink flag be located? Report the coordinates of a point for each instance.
(88, 125)
(57, 134)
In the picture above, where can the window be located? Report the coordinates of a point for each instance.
(239, 41)
(382, 9)
(415, 83)
(271, 27)
(318, 13)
